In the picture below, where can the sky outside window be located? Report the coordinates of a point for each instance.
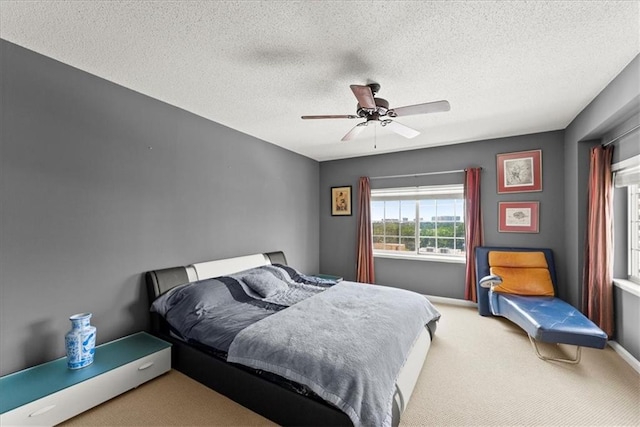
(427, 209)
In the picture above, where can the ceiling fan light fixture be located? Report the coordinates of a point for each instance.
(372, 109)
(355, 131)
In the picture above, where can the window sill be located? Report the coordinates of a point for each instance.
(628, 286)
(430, 258)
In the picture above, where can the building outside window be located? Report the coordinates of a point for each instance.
(425, 222)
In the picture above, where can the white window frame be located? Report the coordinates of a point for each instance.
(633, 233)
(627, 174)
(432, 192)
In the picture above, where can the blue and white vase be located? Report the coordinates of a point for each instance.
(80, 341)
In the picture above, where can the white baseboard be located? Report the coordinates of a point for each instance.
(626, 356)
(451, 301)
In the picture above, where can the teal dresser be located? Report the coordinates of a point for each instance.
(50, 393)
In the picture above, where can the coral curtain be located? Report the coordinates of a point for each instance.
(364, 264)
(597, 286)
(474, 235)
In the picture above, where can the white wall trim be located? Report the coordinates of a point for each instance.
(451, 301)
(626, 356)
(628, 286)
(413, 257)
(633, 161)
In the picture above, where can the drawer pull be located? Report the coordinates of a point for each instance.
(145, 366)
(42, 411)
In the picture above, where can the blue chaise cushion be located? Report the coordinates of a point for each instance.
(548, 319)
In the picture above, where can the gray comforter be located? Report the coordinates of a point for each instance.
(347, 344)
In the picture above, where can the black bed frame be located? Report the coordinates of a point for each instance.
(281, 405)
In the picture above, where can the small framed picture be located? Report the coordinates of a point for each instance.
(341, 201)
(520, 172)
(518, 217)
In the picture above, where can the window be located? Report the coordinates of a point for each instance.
(427, 222)
(634, 233)
(627, 174)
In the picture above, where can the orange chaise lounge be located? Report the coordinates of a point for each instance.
(520, 284)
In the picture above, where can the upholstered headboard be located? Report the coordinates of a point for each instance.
(160, 281)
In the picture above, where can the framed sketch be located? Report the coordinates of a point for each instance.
(518, 217)
(520, 172)
(341, 201)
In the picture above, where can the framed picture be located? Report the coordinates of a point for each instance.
(518, 217)
(520, 172)
(341, 201)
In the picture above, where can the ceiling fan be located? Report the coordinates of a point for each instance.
(377, 110)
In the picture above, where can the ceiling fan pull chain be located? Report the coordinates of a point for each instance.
(375, 137)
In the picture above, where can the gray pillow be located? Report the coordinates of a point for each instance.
(204, 295)
(265, 284)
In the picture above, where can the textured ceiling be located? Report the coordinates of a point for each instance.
(507, 68)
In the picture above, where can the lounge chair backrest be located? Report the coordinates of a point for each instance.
(483, 268)
(522, 273)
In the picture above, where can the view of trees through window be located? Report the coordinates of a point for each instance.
(425, 226)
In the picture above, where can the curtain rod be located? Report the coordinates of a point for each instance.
(621, 136)
(416, 174)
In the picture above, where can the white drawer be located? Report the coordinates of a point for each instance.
(67, 403)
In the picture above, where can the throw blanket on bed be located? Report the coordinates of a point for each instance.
(347, 344)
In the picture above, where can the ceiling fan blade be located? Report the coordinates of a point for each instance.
(333, 116)
(400, 129)
(354, 132)
(428, 107)
(364, 95)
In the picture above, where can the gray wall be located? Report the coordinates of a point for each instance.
(613, 106)
(614, 110)
(99, 184)
(338, 234)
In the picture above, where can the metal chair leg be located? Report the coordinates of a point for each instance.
(573, 361)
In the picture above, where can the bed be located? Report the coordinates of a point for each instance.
(280, 389)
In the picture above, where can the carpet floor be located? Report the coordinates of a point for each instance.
(480, 371)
